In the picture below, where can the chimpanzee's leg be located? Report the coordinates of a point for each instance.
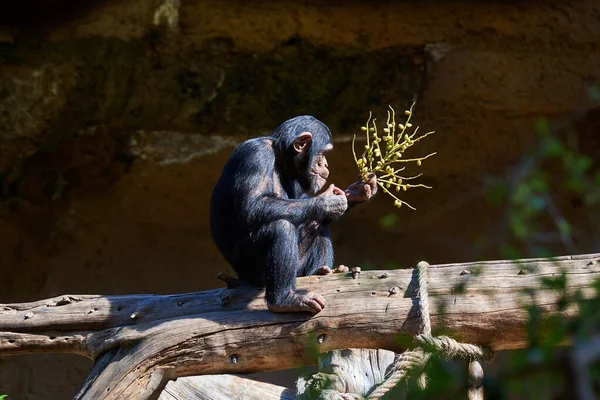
(316, 249)
(280, 239)
(272, 256)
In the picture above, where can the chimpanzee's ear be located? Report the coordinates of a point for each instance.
(301, 141)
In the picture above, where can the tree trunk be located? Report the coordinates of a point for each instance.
(140, 342)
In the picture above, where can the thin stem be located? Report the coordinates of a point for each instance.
(415, 159)
(394, 196)
(353, 150)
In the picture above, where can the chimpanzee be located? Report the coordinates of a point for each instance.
(268, 220)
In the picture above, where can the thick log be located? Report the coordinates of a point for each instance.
(355, 371)
(142, 341)
(224, 387)
(347, 371)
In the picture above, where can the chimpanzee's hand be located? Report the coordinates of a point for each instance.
(333, 202)
(362, 191)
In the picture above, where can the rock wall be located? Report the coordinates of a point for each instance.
(116, 118)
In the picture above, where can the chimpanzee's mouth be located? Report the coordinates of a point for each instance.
(320, 180)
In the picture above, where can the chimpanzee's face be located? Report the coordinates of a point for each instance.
(312, 171)
(319, 172)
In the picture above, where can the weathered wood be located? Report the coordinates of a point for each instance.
(475, 390)
(157, 338)
(223, 387)
(355, 371)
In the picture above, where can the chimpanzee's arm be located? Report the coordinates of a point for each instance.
(262, 206)
(256, 187)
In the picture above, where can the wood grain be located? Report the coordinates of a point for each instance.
(142, 341)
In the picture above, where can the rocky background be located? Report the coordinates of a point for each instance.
(116, 118)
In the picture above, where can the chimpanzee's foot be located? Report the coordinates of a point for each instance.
(325, 270)
(299, 301)
(341, 268)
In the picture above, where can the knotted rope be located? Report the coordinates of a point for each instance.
(414, 361)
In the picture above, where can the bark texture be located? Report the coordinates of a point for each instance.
(140, 342)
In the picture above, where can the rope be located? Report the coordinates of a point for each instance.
(447, 347)
(423, 273)
(414, 361)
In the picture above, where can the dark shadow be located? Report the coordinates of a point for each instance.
(42, 13)
(411, 324)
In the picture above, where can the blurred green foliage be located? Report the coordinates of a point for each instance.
(534, 191)
(388, 221)
(532, 198)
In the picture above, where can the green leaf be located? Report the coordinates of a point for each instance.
(553, 147)
(575, 184)
(582, 164)
(388, 221)
(497, 193)
(539, 182)
(542, 126)
(519, 227)
(597, 177)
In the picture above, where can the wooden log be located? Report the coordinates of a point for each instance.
(223, 387)
(475, 390)
(142, 341)
(355, 371)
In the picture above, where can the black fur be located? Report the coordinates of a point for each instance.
(261, 220)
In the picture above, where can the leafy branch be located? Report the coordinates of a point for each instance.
(374, 160)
